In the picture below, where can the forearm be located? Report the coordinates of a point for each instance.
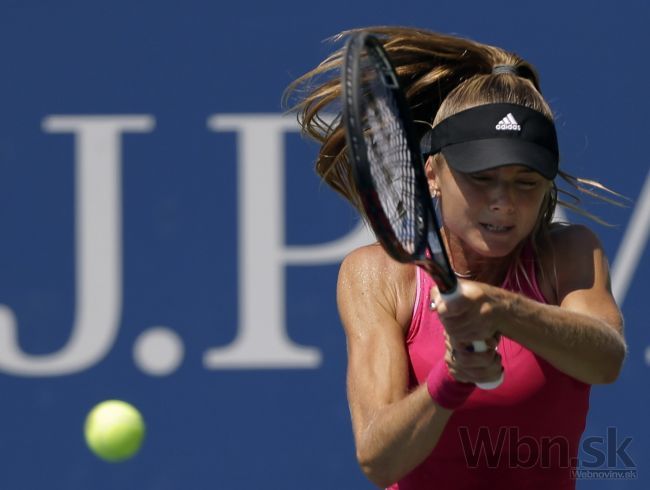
(584, 347)
(399, 436)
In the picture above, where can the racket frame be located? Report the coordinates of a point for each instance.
(430, 231)
(423, 254)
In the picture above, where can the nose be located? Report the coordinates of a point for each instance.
(502, 199)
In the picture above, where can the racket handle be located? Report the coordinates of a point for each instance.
(479, 346)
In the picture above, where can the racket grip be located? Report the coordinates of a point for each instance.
(481, 346)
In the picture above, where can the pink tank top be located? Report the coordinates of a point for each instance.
(524, 434)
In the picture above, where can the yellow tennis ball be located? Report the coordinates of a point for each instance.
(114, 430)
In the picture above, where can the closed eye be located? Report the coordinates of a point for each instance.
(480, 177)
(528, 184)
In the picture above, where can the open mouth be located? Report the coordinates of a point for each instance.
(497, 228)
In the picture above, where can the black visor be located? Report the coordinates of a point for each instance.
(493, 135)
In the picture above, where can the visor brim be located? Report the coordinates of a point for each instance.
(478, 155)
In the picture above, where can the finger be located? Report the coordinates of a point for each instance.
(480, 360)
(488, 375)
(455, 302)
(456, 344)
(493, 342)
(458, 375)
(481, 367)
(473, 334)
(450, 356)
(466, 342)
(467, 346)
(449, 345)
(478, 375)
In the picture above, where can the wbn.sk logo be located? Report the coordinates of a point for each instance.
(262, 341)
(600, 457)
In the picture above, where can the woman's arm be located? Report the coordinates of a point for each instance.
(582, 345)
(394, 430)
(582, 336)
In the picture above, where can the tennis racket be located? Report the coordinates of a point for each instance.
(387, 167)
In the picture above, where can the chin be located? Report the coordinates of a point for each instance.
(494, 253)
(494, 250)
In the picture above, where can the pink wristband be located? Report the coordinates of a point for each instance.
(445, 390)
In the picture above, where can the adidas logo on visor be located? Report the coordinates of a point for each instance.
(508, 123)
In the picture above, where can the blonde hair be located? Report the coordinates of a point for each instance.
(429, 66)
(440, 75)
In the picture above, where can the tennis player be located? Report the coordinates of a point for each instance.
(539, 290)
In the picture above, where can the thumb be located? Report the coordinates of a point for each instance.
(453, 301)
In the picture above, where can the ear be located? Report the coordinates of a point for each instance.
(432, 177)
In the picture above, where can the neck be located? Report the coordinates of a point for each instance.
(470, 265)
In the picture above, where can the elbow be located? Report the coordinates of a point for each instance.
(375, 470)
(610, 371)
(609, 377)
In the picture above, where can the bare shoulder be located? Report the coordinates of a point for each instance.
(573, 239)
(371, 261)
(576, 258)
(572, 248)
(369, 276)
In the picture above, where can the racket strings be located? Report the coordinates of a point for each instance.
(390, 161)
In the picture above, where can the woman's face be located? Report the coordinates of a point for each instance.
(491, 211)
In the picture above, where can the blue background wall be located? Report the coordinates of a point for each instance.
(181, 190)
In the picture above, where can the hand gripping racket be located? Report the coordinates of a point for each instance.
(387, 167)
